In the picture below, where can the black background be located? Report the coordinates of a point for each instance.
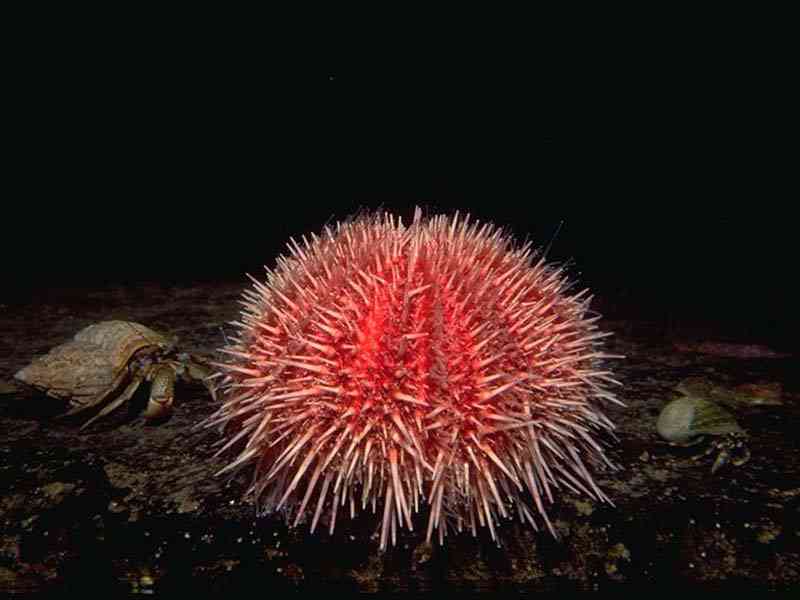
(666, 176)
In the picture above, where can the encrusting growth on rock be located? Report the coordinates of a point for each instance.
(390, 366)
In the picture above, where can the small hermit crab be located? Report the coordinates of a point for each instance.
(688, 420)
(109, 360)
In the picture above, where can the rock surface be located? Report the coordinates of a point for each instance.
(127, 507)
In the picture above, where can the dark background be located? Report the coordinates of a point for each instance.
(664, 175)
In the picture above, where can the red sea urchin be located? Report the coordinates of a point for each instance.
(384, 365)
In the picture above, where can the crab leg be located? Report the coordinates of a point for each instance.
(99, 398)
(197, 370)
(123, 397)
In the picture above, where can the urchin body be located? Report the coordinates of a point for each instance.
(388, 366)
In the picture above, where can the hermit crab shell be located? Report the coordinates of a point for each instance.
(93, 360)
(685, 420)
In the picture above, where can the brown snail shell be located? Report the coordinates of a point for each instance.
(687, 419)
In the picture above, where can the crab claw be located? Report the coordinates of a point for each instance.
(721, 461)
(732, 449)
(162, 392)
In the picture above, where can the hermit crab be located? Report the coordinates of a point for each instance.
(688, 420)
(107, 362)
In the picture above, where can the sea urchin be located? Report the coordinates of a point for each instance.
(389, 366)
